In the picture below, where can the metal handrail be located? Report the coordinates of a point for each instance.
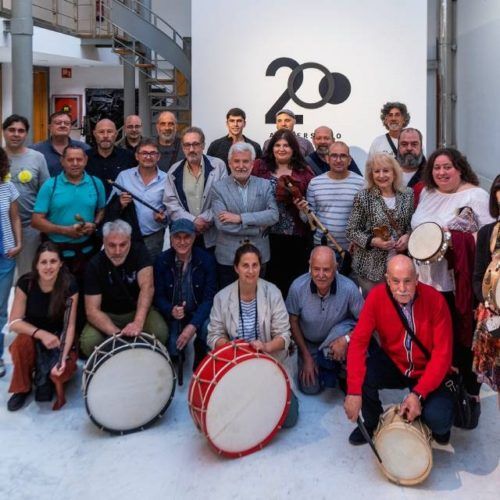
(149, 15)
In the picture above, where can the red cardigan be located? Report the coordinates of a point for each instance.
(432, 326)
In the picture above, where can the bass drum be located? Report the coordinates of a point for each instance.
(239, 398)
(128, 383)
(404, 448)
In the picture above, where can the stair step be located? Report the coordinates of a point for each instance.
(123, 51)
(160, 80)
(144, 65)
(162, 94)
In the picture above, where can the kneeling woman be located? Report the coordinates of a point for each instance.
(253, 310)
(37, 316)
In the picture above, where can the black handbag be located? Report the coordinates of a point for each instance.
(465, 408)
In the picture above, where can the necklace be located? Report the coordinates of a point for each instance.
(255, 325)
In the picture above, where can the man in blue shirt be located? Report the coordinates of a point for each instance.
(52, 148)
(147, 182)
(324, 307)
(69, 207)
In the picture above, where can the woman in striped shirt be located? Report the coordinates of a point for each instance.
(253, 310)
(10, 242)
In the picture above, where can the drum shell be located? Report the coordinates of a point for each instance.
(210, 372)
(109, 350)
(391, 421)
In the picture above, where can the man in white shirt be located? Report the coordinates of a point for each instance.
(394, 116)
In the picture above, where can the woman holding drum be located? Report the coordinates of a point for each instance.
(486, 284)
(379, 225)
(44, 320)
(451, 201)
(240, 394)
(286, 169)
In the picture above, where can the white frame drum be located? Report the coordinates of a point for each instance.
(428, 243)
(404, 448)
(128, 383)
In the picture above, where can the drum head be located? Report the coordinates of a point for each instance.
(425, 241)
(405, 455)
(130, 389)
(247, 406)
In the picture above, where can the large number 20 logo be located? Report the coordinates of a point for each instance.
(334, 88)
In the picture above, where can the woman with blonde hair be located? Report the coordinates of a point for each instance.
(379, 225)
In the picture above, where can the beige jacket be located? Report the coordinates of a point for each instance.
(271, 311)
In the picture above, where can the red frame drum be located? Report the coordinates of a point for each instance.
(239, 398)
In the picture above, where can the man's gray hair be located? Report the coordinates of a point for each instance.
(117, 226)
(241, 147)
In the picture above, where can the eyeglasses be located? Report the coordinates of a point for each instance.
(148, 154)
(189, 145)
(134, 126)
(66, 123)
(342, 156)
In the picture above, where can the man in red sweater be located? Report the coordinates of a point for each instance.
(399, 361)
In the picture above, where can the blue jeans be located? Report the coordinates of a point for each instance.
(328, 371)
(7, 267)
(382, 373)
(174, 330)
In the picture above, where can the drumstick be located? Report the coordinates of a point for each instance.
(364, 431)
(135, 197)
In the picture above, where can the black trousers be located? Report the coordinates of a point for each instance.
(382, 373)
(462, 355)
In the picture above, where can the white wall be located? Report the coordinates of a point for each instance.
(177, 13)
(380, 45)
(478, 78)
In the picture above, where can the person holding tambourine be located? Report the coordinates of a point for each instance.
(379, 224)
(486, 284)
(453, 200)
(38, 315)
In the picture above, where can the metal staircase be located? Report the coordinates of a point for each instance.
(147, 42)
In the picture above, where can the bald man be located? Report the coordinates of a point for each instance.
(105, 160)
(323, 307)
(133, 132)
(169, 144)
(415, 331)
(318, 160)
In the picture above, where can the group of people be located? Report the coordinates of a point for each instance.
(257, 238)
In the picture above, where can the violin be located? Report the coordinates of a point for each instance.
(287, 189)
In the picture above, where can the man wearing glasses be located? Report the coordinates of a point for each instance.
(188, 190)
(59, 139)
(146, 182)
(106, 160)
(133, 132)
(331, 195)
